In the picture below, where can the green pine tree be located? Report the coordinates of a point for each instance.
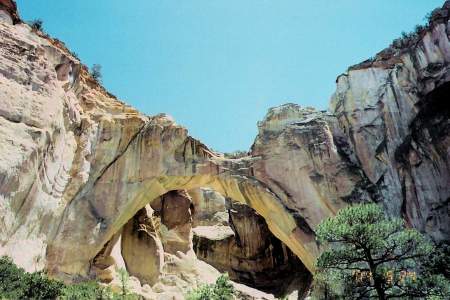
(371, 255)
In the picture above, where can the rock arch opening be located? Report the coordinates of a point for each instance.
(201, 223)
(97, 230)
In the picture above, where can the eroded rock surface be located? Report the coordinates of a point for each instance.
(249, 253)
(163, 261)
(174, 210)
(296, 156)
(209, 207)
(142, 251)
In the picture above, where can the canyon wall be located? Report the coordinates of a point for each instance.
(81, 171)
(394, 113)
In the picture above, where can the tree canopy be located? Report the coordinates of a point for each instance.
(373, 256)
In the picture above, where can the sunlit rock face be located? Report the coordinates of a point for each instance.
(296, 156)
(58, 134)
(77, 166)
(141, 249)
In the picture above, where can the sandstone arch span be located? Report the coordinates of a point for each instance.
(158, 160)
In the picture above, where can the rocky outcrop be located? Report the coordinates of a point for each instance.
(77, 166)
(178, 162)
(297, 157)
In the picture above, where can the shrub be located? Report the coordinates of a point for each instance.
(86, 290)
(222, 289)
(15, 283)
(404, 35)
(37, 24)
(12, 285)
(438, 262)
(124, 278)
(418, 29)
(96, 72)
(204, 292)
(429, 16)
(75, 55)
(39, 286)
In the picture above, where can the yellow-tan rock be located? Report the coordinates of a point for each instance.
(141, 249)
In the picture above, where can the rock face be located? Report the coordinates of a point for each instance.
(395, 114)
(79, 168)
(142, 251)
(210, 207)
(174, 212)
(299, 160)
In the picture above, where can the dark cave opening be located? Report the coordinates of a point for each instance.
(249, 253)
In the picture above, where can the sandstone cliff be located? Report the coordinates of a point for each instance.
(87, 183)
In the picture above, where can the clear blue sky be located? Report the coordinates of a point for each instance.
(218, 65)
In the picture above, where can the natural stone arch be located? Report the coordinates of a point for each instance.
(158, 160)
(245, 190)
